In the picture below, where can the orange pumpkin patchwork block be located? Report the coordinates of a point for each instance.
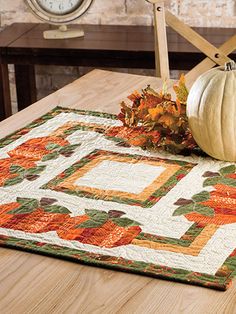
(36, 148)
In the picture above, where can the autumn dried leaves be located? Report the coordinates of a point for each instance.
(155, 121)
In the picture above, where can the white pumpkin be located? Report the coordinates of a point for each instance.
(211, 110)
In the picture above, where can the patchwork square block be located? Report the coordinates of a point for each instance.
(122, 178)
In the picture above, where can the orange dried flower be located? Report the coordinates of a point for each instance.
(160, 121)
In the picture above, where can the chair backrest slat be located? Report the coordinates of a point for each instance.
(161, 48)
(215, 56)
(196, 39)
(207, 63)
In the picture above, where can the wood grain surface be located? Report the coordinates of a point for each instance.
(31, 283)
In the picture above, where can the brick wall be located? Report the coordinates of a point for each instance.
(215, 13)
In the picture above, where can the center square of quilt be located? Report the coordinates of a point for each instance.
(120, 177)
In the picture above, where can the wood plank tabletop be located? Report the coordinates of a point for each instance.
(30, 283)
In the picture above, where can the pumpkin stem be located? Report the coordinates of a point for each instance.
(230, 66)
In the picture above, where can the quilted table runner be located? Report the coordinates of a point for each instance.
(70, 188)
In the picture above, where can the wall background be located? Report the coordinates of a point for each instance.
(210, 13)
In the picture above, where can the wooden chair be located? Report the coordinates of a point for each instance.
(215, 56)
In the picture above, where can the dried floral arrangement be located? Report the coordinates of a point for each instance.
(154, 121)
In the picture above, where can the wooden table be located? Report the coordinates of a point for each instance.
(22, 44)
(31, 283)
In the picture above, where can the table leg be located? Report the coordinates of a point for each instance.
(5, 98)
(25, 85)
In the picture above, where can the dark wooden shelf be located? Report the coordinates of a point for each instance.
(23, 45)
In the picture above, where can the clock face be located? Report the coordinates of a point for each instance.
(58, 12)
(59, 7)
